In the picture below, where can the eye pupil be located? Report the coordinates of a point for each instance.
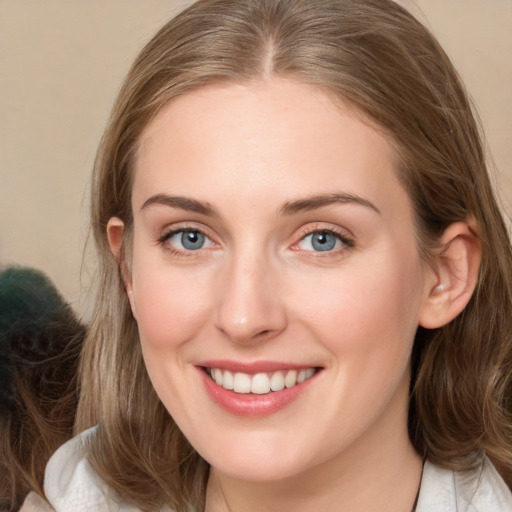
(323, 241)
(192, 240)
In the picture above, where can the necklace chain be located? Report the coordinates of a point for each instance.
(413, 509)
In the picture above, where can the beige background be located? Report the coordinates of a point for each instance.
(61, 62)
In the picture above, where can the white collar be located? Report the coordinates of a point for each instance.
(71, 485)
(482, 490)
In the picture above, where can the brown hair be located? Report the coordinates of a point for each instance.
(40, 343)
(373, 55)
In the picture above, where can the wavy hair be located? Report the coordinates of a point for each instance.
(375, 56)
(40, 342)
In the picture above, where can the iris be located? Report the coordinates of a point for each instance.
(192, 240)
(323, 241)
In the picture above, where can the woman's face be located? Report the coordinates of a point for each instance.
(274, 252)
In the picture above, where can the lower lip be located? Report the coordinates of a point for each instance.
(253, 405)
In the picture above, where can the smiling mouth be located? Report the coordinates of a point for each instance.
(259, 383)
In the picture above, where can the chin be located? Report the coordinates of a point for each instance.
(265, 459)
(256, 470)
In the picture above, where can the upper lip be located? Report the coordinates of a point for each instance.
(254, 366)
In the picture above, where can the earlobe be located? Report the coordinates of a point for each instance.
(455, 275)
(115, 235)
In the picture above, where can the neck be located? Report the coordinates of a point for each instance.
(379, 472)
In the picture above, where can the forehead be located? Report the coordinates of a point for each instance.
(280, 135)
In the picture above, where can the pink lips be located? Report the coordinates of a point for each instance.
(254, 367)
(251, 405)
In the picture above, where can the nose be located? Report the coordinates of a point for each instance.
(250, 305)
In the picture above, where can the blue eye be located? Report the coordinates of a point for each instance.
(320, 241)
(188, 240)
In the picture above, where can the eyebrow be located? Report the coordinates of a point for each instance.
(183, 203)
(289, 208)
(314, 202)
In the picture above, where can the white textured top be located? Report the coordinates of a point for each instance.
(71, 486)
(443, 490)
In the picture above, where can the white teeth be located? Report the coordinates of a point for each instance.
(309, 373)
(228, 381)
(305, 374)
(260, 383)
(217, 376)
(242, 383)
(290, 379)
(277, 382)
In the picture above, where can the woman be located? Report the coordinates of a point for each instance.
(305, 297)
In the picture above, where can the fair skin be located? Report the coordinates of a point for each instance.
(271, 235)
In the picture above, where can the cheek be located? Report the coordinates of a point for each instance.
(172, 309)
(171, 306)
(371, 307)
(366, 318)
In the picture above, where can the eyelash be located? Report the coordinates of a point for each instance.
(162, 241)
(347, 242)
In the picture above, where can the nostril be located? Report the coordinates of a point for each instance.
(246, 321)
(267, 333)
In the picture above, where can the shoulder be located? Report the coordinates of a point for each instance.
(71, 485)
(482, 490)
(34, 503)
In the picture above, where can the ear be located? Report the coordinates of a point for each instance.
(455, 275)
(115, 234)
